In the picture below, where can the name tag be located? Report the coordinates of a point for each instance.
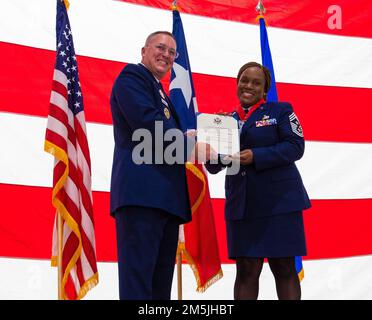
(264, 123)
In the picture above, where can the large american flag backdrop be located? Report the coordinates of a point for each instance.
(323, 71)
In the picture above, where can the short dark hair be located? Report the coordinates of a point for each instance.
(151, 35)
(265, 70)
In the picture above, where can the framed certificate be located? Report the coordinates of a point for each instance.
(221, 132)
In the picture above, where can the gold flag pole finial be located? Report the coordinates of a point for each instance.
(174, 5)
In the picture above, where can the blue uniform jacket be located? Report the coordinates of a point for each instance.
(272, 184)
(137, 102)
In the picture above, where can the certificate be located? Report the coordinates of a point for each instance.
(221, 132)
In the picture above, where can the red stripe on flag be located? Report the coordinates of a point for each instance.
(333, 102)
(89, 251)
(69, 205)
(57, 113)
(71, 135)
(83, 141)
(300, 15)
(56, 139)
(79, 272)
(85, 196)
(73, 173)
(70, 289)
(58, 171)
(60, 89)
(69, 249)
(331, 231)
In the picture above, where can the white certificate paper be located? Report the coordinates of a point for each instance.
(221, 132)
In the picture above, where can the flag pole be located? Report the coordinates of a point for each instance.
(60, 229)
(59, 256)
(181, 243)
(179, 274)
(179, 251)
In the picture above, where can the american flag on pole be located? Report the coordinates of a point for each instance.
(66, 140)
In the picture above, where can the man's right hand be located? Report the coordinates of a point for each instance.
(203, 152)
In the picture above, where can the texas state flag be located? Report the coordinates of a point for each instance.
(198, 239)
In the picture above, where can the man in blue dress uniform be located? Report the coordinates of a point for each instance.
(149, 196)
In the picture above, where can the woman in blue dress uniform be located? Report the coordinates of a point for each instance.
(265, 199)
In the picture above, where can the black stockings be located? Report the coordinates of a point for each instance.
(286, 278)
(248, 272)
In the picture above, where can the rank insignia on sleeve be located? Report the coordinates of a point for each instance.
(295, 125)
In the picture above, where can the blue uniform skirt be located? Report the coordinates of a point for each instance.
(274, 236)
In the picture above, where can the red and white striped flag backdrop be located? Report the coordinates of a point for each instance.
(323, 71)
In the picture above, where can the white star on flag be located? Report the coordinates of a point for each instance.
(182, 81)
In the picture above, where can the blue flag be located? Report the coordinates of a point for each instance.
(272, 95)
(182, 93)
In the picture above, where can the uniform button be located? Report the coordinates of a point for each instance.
(243, 173)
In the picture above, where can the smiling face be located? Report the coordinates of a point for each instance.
(251, 86)
(158, 54)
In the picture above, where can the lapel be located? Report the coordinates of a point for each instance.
(170, 105)
(158, 86)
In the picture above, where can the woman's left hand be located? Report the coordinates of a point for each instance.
(245, 157)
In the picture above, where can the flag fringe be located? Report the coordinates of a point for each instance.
(190, 261)
(61, 155)
(54, 261)
(88, 284)
(301, 274)
(192, 168)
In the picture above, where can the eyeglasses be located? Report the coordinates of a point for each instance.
(163, 49)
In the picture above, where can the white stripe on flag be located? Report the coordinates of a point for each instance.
(334, 279)
(330, 170)
(300, 57)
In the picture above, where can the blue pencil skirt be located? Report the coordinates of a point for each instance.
(274, 236)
